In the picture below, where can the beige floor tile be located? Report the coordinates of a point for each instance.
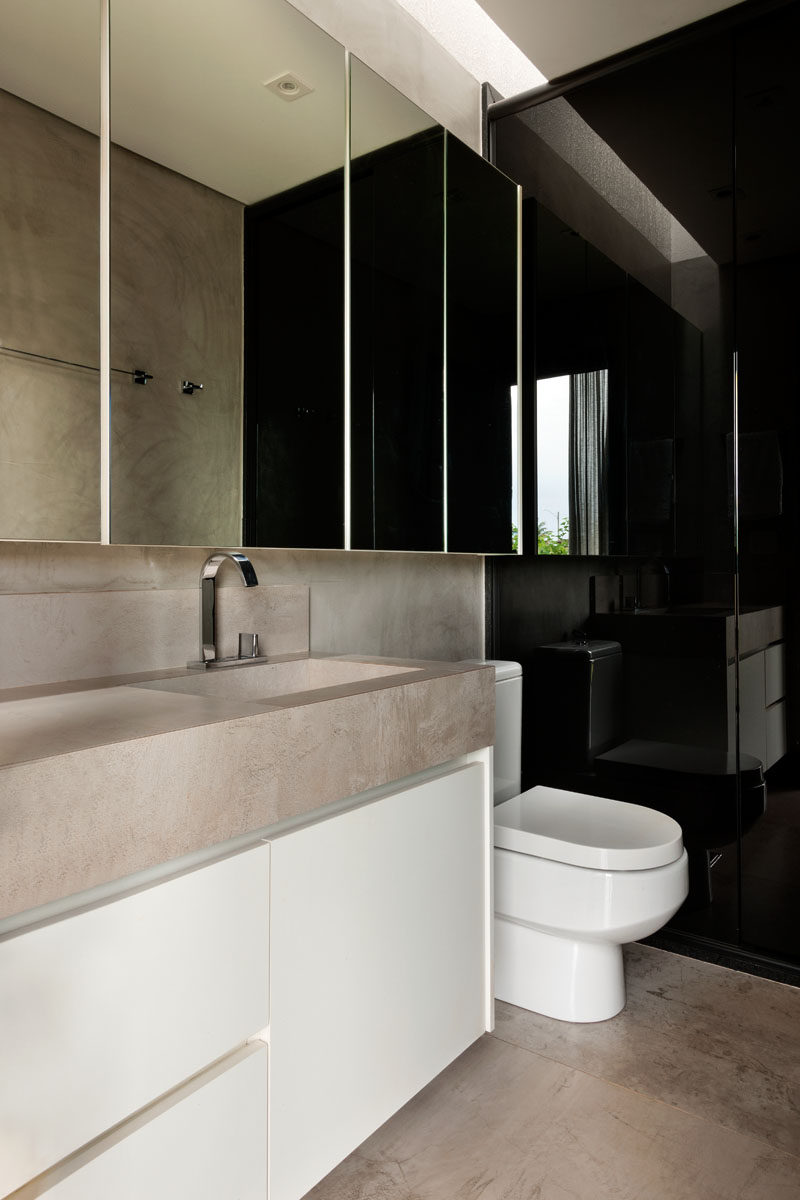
(720, 1044)
(503, 1123)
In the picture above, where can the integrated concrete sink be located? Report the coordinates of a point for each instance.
(269, 680)
(104, 778)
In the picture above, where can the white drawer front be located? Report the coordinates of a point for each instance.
(379, 927)
(210, 1144)
(103, 1011)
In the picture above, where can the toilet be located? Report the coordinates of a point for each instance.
(575, 877)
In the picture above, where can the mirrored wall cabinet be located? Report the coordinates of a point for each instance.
(312, 311)
(400, 435)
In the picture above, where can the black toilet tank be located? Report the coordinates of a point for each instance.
(577, 703)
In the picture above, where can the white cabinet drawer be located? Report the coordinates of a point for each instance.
(208, 1142)
(104, 1010)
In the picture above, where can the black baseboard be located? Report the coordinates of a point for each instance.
(733, 957)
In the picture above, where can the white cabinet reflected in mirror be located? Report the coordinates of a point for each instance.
(49, 270)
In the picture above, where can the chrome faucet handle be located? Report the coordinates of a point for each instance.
(248, 645)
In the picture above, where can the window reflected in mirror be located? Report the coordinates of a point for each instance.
(572, 463)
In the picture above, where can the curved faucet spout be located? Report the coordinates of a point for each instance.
(215, 560)
(208, 597)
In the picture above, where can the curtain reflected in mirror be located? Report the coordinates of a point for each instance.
(588, 463)
(572, 464)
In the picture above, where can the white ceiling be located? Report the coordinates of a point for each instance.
(187, 86)
(562, 35)
(187, 75)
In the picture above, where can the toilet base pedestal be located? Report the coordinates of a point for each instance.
(556, 976)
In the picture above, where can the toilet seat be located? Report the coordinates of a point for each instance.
(586, 831)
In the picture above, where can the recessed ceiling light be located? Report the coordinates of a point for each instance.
(288, 86)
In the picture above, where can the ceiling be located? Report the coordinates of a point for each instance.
(187, 86)
(562, 35)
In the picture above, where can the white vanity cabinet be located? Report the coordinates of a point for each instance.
(237, 1029)
(105, 1009)
(379, 965)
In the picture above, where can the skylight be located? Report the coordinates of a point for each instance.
(472, 38)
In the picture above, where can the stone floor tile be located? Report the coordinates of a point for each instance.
(503, 1123)
(720, 1044)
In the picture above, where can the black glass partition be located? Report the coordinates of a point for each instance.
(767, 100)
(679, 170)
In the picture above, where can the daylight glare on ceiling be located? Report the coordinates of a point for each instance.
(470, 35)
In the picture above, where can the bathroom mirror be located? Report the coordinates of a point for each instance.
(214, 110)
(221, 120)
(434, 332)
(49, 286)
(397, 318)
(364, 455)
(482, 363)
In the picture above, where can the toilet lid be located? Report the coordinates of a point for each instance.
(587, 831)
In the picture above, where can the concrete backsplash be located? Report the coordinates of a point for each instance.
(78, 611)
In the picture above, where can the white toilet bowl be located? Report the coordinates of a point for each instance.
(575, 877)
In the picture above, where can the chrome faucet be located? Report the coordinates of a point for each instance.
(208, 602)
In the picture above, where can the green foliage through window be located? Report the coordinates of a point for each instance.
(554, 543)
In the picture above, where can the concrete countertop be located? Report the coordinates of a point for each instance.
(103, 778)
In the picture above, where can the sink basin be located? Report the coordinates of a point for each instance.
(264, 681)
